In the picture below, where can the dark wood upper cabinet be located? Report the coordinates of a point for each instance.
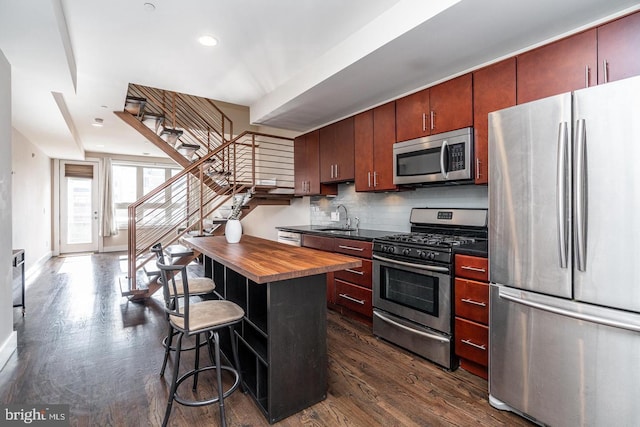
(364, 147)
(375, 133)
(441, 108)
(306, 158)
(337, 151)
(412, 116)
(451, 104)
(618, 49)
(562, 66)
(494, 88)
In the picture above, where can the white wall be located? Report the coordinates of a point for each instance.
(262, 222)
(8, 338)
(31, 199)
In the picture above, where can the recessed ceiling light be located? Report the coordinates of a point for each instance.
(100, 145)
(208, 40)
(149, 7)
(98, 122)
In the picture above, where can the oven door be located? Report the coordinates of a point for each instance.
(419, 293)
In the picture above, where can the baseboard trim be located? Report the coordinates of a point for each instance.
(8, 347)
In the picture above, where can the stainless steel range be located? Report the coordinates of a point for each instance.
(412, 280)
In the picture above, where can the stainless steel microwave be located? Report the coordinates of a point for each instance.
(437, 158)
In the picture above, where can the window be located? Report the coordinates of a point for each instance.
(131, 182)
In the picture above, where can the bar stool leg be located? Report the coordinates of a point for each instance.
(197, 365)
(168, 340)
(174, 380)
(216, 338)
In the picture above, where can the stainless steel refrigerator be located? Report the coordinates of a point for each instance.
(564, 253)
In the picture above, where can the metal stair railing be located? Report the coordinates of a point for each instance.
(201, 122)
(183, 204)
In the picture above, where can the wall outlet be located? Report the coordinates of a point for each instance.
(335, 216)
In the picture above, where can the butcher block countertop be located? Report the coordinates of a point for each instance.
(264, 261)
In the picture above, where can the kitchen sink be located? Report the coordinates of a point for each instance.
(335, 229)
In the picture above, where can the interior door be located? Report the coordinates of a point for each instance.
(79, 201)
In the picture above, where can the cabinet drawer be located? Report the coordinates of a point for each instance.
(357, 248)
(354, 297)
(472, 341)
(472, 300)
(360, 275)
(317, 242)
(472, 267)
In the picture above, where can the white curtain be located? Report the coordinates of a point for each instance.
(109, 226)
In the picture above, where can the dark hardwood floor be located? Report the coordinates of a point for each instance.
(83, 344)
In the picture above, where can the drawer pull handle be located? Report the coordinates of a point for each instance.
(472, 344)
(357, 301)
(360, 273)
(470, 301)
(351, 248)
(480, 270)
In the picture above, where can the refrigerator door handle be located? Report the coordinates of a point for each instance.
(444, 151)
(580, 195)
(561, 193)
(569, 313)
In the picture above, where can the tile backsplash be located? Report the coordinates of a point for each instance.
(390, 211)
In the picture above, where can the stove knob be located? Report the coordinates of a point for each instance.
(432, 255)
(391, 249)
(406, 251)
(423, 254)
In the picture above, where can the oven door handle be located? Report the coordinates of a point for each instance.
(414, 331)
(409, 264)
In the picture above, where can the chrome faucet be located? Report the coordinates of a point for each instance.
(346, 214)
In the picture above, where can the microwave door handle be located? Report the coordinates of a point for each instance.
(444, 155)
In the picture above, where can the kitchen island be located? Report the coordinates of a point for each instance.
(282, 342)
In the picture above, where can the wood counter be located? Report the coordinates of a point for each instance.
(266, 261)
(282, 343)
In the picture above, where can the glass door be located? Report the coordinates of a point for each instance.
(78, 207)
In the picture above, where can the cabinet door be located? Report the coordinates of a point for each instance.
(494, 88)
(618, 43)
(451, 105)
(384, 132)
(312, 161)
(559, 67)
(300, 165)
(344, 146)
(327, 136)
(363, 129)
(412, 116)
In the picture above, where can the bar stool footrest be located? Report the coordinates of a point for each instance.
(192, 372)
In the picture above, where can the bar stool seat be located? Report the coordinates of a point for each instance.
(206, 319)
(208, 314)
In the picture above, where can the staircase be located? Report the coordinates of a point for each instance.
(218, 169)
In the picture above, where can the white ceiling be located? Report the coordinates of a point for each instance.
(298, 64)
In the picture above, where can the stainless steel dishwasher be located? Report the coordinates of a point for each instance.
(289, 238)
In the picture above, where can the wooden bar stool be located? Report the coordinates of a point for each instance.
(199, 286)
(193, 319)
